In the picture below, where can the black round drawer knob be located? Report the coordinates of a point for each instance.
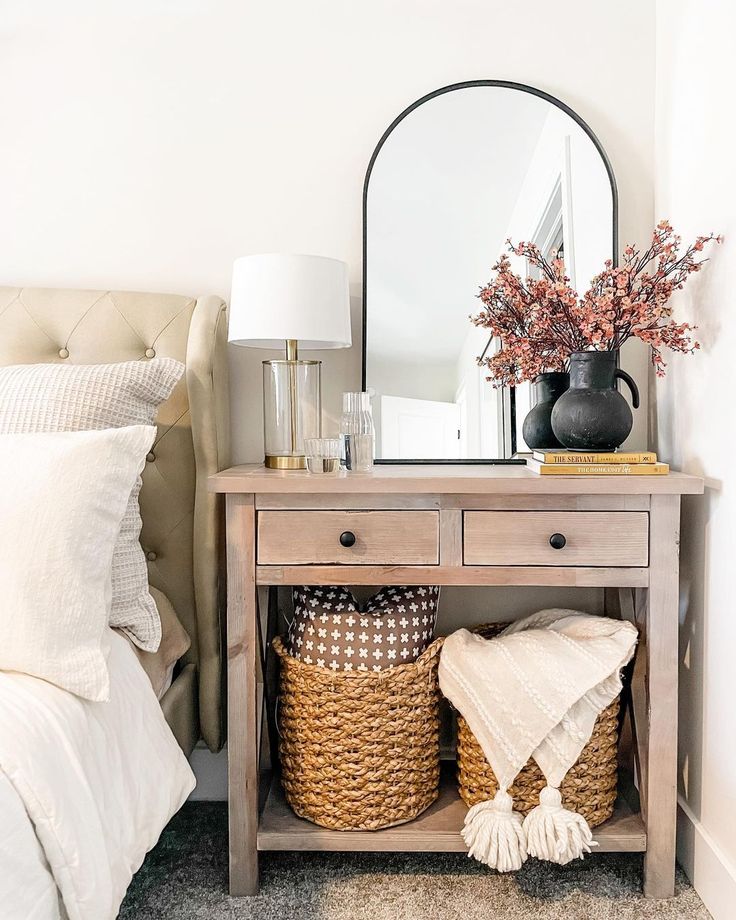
(347, 538)
(557, 541)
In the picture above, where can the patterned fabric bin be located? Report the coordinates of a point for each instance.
(332, 630)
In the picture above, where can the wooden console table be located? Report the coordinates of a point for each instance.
(456, 525)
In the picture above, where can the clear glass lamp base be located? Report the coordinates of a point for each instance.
(291, 411)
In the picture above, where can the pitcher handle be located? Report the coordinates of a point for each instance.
(622, 375)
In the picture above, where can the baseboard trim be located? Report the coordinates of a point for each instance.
(711, 873)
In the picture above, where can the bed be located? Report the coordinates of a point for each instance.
(181, 537)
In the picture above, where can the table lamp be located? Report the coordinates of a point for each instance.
(295, 302)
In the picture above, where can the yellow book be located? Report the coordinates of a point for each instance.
(598, 469)
(563, 456)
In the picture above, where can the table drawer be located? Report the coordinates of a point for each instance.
(326, 537)
(578, 538)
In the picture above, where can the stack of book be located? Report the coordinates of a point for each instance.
(578, 463)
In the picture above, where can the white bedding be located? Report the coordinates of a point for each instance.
(85, 790)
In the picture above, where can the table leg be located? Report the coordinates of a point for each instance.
(242, 670)
(660, 776)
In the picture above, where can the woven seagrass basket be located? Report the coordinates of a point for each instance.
(359, 750)
(589, 787)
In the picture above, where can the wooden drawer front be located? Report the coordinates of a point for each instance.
(381, 537)
(592, 538)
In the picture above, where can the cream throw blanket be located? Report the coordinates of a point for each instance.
(534, 691)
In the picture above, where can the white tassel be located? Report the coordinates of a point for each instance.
(494, 834)
(554, 833)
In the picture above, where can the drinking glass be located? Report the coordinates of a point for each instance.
(323, 454)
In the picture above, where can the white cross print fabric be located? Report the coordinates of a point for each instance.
(330, 630)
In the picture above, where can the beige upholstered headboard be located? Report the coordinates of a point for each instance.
(182, 522)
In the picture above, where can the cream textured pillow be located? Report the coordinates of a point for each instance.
(62, 499)
(80, 397)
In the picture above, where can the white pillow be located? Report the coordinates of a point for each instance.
(79, 397)
(62, 498)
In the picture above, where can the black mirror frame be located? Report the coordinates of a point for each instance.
(505, 84)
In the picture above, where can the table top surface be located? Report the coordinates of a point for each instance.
(460, 479)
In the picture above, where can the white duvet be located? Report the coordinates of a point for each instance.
(85, 790)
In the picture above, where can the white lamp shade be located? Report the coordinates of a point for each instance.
(277, 297)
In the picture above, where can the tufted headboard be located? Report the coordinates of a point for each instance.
(182, 523)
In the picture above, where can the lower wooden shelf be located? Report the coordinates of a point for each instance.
(436, 830)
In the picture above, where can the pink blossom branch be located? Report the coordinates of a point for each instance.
(541, 321)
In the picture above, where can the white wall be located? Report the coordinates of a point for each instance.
(411, 376)
(147, 144)
(695, 140)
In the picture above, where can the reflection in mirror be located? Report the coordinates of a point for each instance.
(456, 176)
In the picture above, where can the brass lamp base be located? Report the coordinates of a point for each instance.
(285, 463)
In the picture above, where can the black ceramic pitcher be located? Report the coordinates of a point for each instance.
(537, 427)
(592, 414)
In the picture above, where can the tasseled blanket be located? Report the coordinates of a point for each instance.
(535, 690)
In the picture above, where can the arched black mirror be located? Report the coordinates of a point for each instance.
(455, 175)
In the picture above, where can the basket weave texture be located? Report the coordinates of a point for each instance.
(589, 788)
(359, 750)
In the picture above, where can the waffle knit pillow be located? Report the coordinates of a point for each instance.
(82, 397)
(62, 500)
(330, 630)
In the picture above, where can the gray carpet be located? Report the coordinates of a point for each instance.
(185, 878)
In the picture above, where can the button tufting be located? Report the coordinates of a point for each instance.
(150, 456)
(63, 353)
(151, 556)
(150, 353)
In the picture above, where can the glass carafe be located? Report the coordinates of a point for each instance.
(357, 436)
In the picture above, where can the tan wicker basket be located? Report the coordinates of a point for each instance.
(359, 750)
(589, 788)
